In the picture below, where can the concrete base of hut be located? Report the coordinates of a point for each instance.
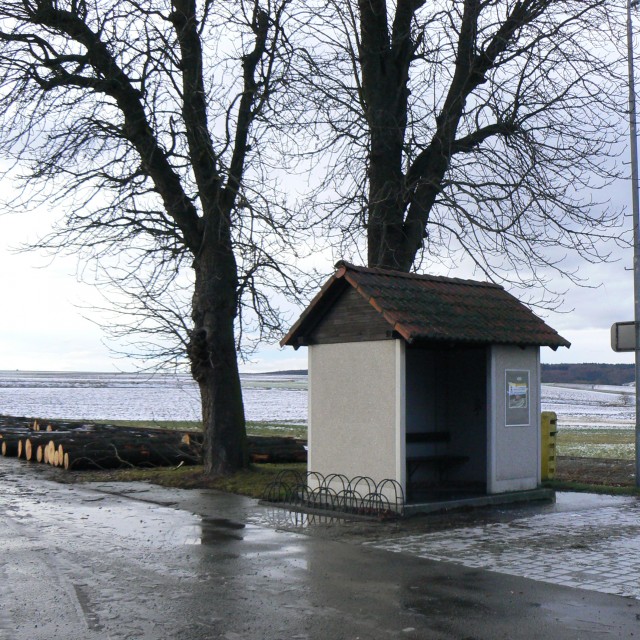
(443, 502)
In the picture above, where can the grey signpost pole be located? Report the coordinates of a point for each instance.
(636, 222)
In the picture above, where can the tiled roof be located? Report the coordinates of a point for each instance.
(432, 308)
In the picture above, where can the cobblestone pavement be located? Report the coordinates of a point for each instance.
(586, 541)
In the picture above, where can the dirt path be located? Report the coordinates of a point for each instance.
(617, 473)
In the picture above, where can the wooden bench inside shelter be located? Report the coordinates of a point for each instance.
(440, 461)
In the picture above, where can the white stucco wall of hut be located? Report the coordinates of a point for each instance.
(513, 450)
(356, 409)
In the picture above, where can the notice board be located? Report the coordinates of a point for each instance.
(518, 401)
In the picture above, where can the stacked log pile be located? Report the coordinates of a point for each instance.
(76, 445)
(276, 449)
(81, 446)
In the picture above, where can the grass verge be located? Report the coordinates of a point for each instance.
(170, 425)
(596, 443)
(254, 427)
(250, 482)
(591, 469)
(584, 487)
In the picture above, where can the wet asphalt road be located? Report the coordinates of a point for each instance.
(136, 562)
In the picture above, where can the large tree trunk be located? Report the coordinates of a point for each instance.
(214, 365)
(401, 199)
(386, 208)
(385, 57)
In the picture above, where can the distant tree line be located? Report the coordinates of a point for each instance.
(584, 373)
(589, 373)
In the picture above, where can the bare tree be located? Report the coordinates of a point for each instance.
(147, 122)
(469, 126)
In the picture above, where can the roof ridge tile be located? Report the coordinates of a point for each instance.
(343, 267)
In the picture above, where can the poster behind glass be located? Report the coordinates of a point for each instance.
(518, 398)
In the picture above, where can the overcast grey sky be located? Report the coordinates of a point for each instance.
(42, 323)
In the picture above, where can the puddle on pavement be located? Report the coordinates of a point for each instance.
(122, 521)
(431, 606)
(566, 501)
(65, 512)
(176, 528)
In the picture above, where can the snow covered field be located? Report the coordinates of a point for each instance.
(142, 396)
(592, 420)
(590, 406)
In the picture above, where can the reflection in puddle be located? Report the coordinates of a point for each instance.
(224, 523)
(215, 530)
(282, 518)
(199, 530)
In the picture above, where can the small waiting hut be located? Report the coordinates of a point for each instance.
(433, 382)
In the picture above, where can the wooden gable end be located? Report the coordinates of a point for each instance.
(350, 319)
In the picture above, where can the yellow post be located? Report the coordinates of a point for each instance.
(549, 431)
